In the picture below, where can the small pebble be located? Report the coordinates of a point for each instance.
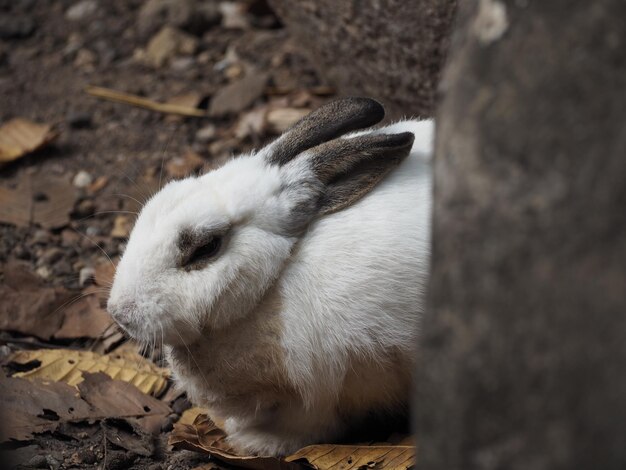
(82, 179)
(180, 64)
(206, 134)
(43, 272)
(81, 10)
(5, 352)
(93, 231)
(86, 276)
(41, 237)
(84, 208)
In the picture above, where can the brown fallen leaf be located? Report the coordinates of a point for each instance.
(179, 167)
(281, 119)
(41, 199)
(28, 306)
(35, 407)
(32, 407)
(19, 137)
(237, 96)
(53, 201)
(71, 366)
(189, 415)
(204, 436)
(252, 123)
(348, 457)
(84, 318)
(16, 206)
(168, 43)
(138, 408)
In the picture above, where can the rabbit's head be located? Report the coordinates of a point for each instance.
(205, 249)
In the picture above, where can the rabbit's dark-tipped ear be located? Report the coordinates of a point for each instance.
(351, 167)
(324, 124)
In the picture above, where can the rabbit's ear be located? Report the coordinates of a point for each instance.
(324, 124)
(351, 167)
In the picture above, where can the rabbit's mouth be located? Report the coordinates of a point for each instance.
(126, 316)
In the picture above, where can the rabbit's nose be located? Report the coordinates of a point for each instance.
(122, 312)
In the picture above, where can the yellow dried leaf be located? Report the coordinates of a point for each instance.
(20, 136)
(66, 365)
(348, 457)
(196, 431)
(189, 416)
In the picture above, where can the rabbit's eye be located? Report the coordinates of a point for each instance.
(205, 252)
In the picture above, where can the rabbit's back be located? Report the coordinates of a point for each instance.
(353, 292)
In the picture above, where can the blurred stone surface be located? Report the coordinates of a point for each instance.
(391, 50)
(82, 10)
(523, 354)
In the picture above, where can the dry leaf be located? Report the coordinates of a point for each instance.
(40, 199)
(31, 308)
(189, 415)
(281, 119)
(251, 123)
(204, 436)
(31, 407)
(239, 95)
(15, 206)
(54, 200)
(66, 365)
(19, 137)
(179, 167)
(84, 318)
(24, 406)
(28, 306)
(347, 457)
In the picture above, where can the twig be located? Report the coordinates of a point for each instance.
(134, 100)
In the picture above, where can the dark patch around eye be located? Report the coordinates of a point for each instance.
(186, 241)
(197, 249)
(204, 252)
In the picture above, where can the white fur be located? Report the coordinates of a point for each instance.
(343, 299)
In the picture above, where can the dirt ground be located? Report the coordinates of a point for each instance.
(66, 209)
(45, 67)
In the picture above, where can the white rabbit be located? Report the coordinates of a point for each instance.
(288, 284)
